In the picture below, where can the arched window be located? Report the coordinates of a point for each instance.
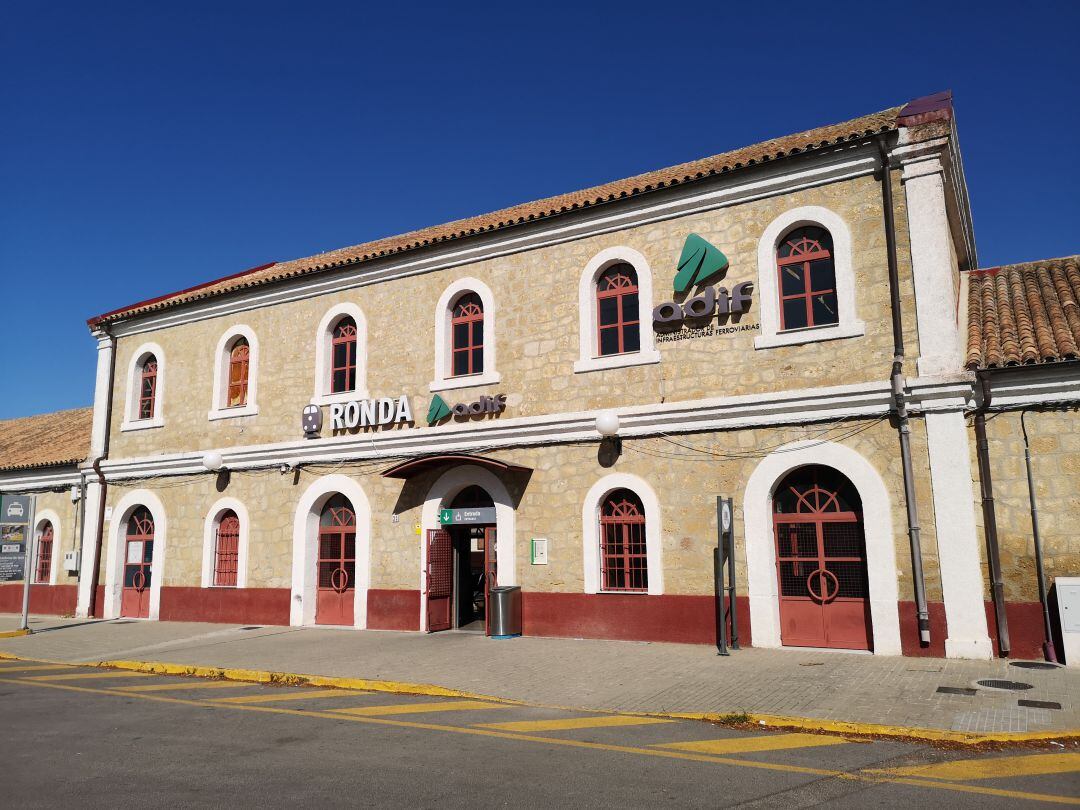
(467, 336)
(623, 556)
(343, 358)
(43, 568)
(239, 366)
(807, 279)
(227, 550)
(147, 387)
(617, 319)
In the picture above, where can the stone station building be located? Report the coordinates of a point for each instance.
(554, 395)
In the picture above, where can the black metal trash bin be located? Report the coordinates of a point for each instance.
(505, 611)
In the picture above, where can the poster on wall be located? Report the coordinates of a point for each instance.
(12, 553)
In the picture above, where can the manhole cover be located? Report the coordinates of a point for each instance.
(1034, 665)
(1013, 686)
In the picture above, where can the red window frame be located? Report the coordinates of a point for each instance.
(227, 550)
(804, 250)
(618, 282)
(468, 313)
(343, 368)
(239, 365)
(624, 559)
(148, 387)
(43, 568)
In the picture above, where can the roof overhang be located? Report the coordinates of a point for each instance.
(415, 466)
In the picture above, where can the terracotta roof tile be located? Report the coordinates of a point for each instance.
(46, 440)
(1024, 314)
(885, 121)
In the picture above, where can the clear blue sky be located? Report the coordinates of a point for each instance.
(146, 148)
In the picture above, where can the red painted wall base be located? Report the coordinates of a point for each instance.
(45, 600)
(226, 605)
(393, 610)
(1025, 629)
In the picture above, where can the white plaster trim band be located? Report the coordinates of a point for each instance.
(444, 378)
(442, 492)
(769, 296)
(210, 528)
(789, 407)
(590, 531)
(305, 548)
(219, 406)
(760, 540)
(114, 571)
(832, 165)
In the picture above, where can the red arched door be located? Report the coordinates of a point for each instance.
(336, 563)
(139, 553)
(821, 561)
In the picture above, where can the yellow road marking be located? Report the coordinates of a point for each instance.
(994, 767)
(421, 708)
(600, 721)
(165, 687)
(80, 676)
(303, 694)
(34, 668)
(864, 776)
(751, 745)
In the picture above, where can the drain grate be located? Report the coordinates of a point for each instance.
(1039, 704)
(1034, 665)
(1012, 686)
(956, 690)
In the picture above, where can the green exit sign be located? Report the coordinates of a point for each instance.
(446, 516)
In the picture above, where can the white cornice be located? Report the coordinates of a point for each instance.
(1022, 386)
(829, 166)
(41, 479)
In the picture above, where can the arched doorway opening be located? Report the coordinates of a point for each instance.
(336, 563)
(821, 561)
(138, 556)
(462, 563)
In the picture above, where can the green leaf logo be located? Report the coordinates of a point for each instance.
(437, 410)
(699, 262)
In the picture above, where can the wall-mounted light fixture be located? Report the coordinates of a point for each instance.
(607, 425)
(212, 461)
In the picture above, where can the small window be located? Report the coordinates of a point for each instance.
(343, 368)
(227, 550)
(807, 279)
(617, 319)
(623, 557)
(43, 569)
(467, 336)
(147, 387)
(239, 366)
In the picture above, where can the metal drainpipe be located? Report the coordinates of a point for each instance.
(899, 404)
(99, 531)
(1048, 645)
(986, 487)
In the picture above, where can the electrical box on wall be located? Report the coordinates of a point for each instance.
(71, 562)
(1068, 594)
(539, 551)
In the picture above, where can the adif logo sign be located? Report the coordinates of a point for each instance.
(370, 413)
(700, 263)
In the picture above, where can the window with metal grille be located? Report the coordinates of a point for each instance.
(227, 550)
(618, 323)
(337, 545)
(807, 279)
(147, 387)
(467, 336)
(43, 568)
(343, 367)
(239, 364)
(624, 563)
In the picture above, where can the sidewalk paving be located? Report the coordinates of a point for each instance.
(589, 674)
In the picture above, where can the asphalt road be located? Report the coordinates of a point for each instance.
(97, 738)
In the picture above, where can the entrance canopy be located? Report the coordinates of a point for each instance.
(414, 466)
